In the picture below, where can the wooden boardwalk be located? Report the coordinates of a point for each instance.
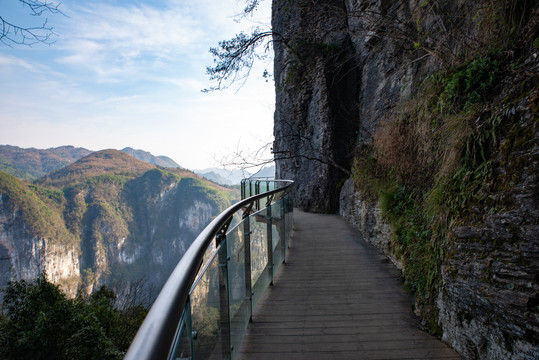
(336, 297)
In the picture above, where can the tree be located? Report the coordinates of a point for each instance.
(234, 58)
(16, 34)
(38, 321)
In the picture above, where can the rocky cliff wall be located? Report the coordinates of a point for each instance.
(316, 116)
(372, 55)
(23, 256)
(489, 298)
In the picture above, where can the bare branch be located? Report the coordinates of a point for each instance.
(234, 58)
(13, 34)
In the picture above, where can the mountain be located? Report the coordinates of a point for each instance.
(108, 218)
(30, 164)
(224, 176)
(163, 161)
(100, 162)
(265, 172)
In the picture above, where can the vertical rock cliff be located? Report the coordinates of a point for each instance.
(389, 111)
(316, 113)
(24, 254)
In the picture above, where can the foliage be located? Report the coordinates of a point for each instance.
(471, 82)
(41, 220)
(109, 162)
(431, 165)
(52, 197)
(40, 322)
(234, 58)
(30, 164)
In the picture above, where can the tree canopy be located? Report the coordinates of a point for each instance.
(38, 321)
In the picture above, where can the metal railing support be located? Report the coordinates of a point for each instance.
(247, 269)
(283, 229)
(269, 240)
(224, 315)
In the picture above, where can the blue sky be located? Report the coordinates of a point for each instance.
(130, 73)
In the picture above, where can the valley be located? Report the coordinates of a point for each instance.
(105, 218)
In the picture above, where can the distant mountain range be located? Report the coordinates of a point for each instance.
(163, 161)
(233, 177)
(106, 218)
(31, 164)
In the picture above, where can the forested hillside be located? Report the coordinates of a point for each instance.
(105, 219)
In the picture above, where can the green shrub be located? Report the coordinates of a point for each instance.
(471, 83)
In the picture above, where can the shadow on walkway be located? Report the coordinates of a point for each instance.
(336, 297)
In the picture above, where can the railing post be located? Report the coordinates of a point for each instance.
(270, 240)
(283, 228)
(257, 191)
(224, 315)
(247, 251)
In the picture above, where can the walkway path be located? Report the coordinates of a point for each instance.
(336, 298)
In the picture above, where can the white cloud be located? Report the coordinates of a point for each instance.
(116, 42)
(7, 61)
(131, 75)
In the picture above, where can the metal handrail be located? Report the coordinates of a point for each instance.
(157, 333)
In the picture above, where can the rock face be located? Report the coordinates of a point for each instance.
(489, 301)
(315, 117)
(23, 256)
(366, 215)
(105, 228)
(340, 68)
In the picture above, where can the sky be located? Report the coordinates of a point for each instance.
(130, 73)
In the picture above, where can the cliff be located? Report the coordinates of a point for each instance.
(418, 122)
(105, 219)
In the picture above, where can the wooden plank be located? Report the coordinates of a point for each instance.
(336, 297)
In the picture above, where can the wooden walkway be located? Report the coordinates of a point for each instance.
(336, 297)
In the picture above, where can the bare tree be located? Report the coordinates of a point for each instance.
(16, 34)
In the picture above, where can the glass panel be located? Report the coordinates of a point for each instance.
(182, 342)
(277, 235)
(259, 251)
(262, 283)
(260, 275)
(244, 191)
(239, 296)
(207, 305)
(289, 218)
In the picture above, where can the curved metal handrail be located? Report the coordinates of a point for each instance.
(156, 335)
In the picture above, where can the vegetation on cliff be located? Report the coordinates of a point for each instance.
(31, 164)
(442, 157)
(127, 219)
(40, 209)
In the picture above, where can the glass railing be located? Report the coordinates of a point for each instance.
(233, 268)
